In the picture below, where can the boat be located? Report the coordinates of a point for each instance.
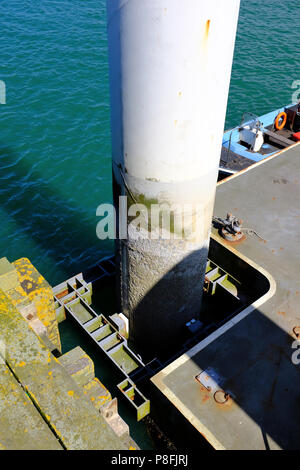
(258, 138)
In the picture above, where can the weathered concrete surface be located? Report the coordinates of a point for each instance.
(55, 394)
(153, 279)
(21, 425)
(96, 393)
(79, 366)
(38, 291)
(8, 275)
(33, 297)
(110, 413)
(255, 356)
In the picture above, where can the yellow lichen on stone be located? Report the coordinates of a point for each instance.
(82, 427)
(79, 365)
(37, 290)
(97, 393)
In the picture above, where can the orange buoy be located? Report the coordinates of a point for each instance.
(281, 116)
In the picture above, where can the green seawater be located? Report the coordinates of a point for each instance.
(55, 164)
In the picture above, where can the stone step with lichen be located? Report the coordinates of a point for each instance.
(96, 393)
(79, 366)
(8, 275)
(109, 411)
(54, 393)
(21, 425)
(33, 297)
(37, 290)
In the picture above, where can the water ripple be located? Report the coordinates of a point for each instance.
(55, 166)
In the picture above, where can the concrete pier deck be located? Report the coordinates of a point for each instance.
(248, 396)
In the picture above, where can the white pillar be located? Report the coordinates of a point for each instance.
(170, 67)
